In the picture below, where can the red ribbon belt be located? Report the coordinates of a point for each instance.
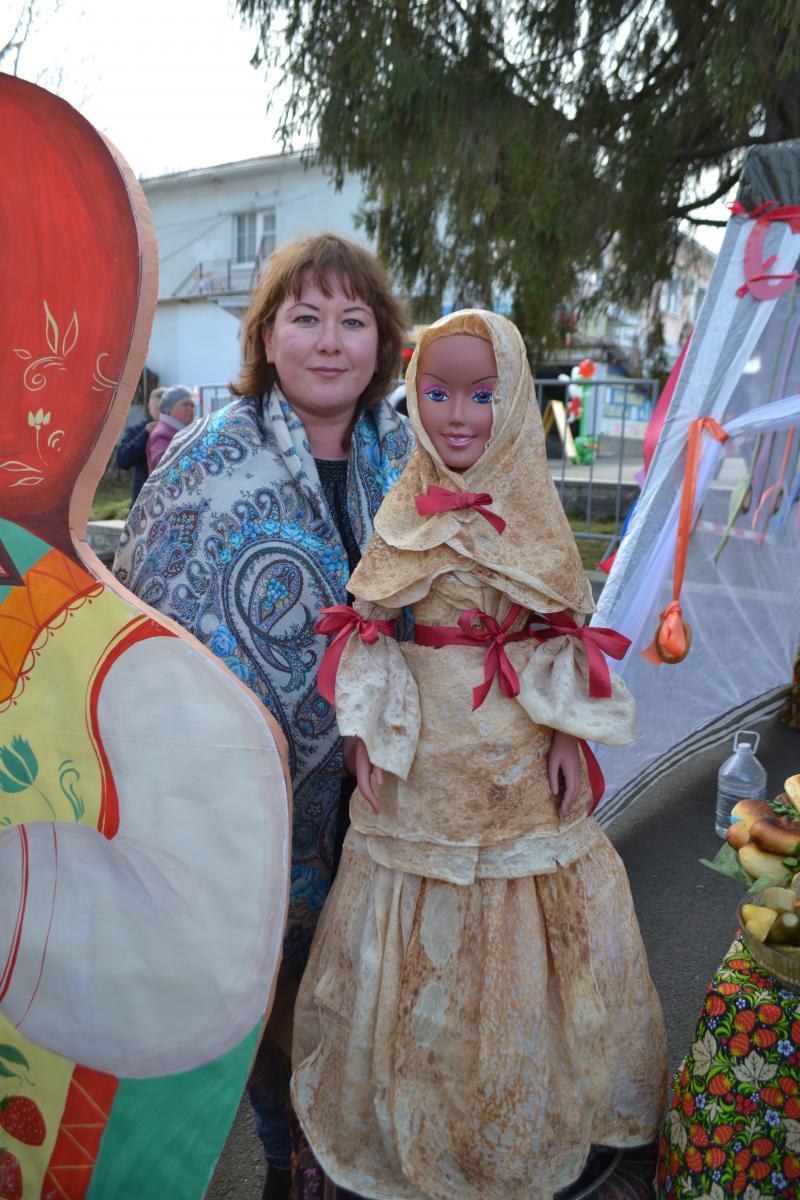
(496, 662)
(671, 636)
(487, 632)
(439, 499)
(597, 640)
(343, 622)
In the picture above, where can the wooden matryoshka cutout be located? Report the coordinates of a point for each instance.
(144, 804)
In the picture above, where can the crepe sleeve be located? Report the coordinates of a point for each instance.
(555, 691)
(377, 697)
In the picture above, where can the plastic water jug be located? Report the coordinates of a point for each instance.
(741, 777)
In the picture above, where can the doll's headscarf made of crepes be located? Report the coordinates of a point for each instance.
(535, 561)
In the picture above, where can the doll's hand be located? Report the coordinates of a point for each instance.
(349, 745)
(356, 754)
(564, 760)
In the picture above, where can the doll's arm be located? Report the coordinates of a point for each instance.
(555, 691)
(377, 698)
(563, 763)
(152, 951)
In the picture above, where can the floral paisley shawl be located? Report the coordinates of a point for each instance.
(231, 536)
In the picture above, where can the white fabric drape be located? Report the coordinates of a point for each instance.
(744, 608)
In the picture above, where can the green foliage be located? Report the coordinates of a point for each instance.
(506, 143)
(112, 501)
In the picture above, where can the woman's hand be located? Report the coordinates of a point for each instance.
(564, 760)
(356, 761)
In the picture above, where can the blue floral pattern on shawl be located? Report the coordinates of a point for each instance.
(231, 537)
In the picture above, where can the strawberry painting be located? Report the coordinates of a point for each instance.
(22, 1119)
(10, 1177)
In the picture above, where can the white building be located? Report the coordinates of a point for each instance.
(214, 227)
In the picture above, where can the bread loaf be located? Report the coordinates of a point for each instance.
(776, 835)
(792, 789)
(745, 812)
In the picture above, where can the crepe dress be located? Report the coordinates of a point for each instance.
(477, 1009)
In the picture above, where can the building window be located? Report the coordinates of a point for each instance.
(699, 297)
(254, 235)
(671, 295)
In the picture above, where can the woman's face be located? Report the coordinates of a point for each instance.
(455, 381)
(324, 349)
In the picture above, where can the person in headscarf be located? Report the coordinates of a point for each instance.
(253, 521)
(477, 1010)
(175, 410)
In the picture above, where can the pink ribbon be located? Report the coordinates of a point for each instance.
(597, 640)
(343, 621)
(489, 633)
(439, 499)
(757, 278)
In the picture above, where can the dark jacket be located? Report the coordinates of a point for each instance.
(132, 454)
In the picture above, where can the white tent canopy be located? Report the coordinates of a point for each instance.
(743, 601)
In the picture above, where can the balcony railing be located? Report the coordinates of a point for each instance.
(219, 277)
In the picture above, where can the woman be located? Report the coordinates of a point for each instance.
(132, 448)
(252, 523)
(175, 411)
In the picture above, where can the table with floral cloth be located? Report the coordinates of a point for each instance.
(733, 1127)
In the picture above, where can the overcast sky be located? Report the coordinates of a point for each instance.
(168, 81)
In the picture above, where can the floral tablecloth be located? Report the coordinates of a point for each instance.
(733, 1128)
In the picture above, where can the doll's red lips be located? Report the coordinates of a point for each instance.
(458, 441)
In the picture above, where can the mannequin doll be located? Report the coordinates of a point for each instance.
(477, 1010)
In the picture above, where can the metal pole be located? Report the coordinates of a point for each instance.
(592, 435)
(618, 502)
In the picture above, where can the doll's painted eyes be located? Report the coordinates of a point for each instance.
(437, 395)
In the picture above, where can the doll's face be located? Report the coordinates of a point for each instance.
(455, 382)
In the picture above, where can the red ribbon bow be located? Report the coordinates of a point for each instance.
(489, 633)
(439, 499)
(343, 622)
(597, 640)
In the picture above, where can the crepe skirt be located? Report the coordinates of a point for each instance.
(470, 1042)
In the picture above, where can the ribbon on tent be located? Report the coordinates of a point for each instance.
(757, 278)
(751, 487)
(792, 497)
(774, 494)
(673, 636)
(439, 499)
(651, 436)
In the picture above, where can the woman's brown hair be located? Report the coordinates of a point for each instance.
(328, 260)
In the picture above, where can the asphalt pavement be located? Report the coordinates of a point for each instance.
(687, 913)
